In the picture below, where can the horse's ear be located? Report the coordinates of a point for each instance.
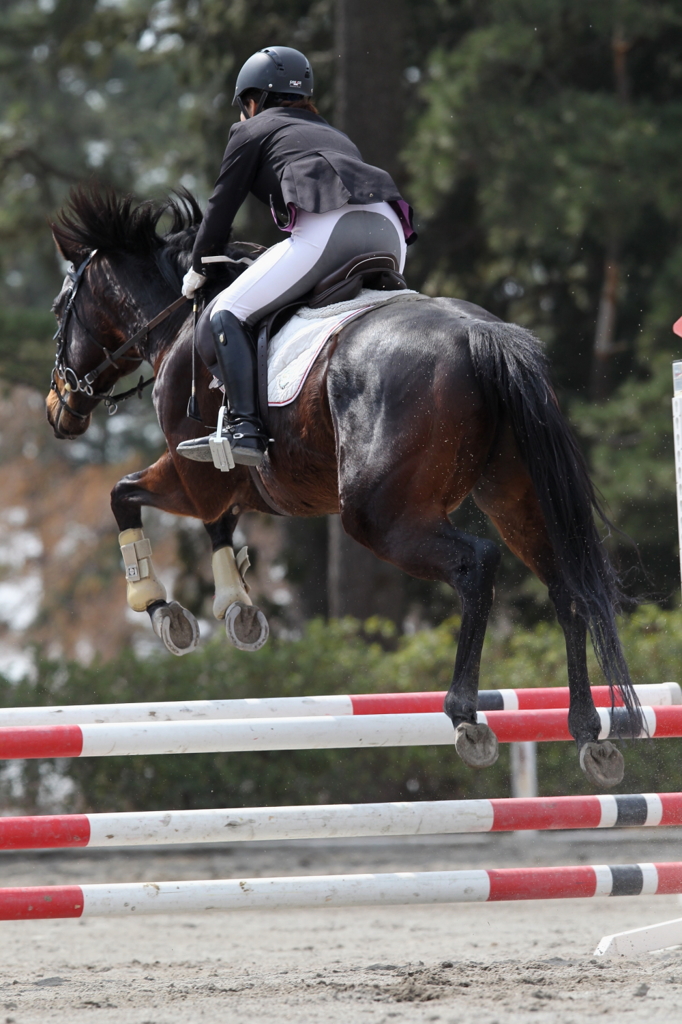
(67, 247)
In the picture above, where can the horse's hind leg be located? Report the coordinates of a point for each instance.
(472, 575)
(425, 544)
(245, 625)
(506, 494)
(600, 760)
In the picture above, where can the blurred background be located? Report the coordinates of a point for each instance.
(540, 143)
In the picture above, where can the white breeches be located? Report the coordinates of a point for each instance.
(319, 244)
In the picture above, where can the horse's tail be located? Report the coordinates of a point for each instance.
(513, 375)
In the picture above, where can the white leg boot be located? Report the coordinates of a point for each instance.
(173, 624)
(246, 626)
(143, 585)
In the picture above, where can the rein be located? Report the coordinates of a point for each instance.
(72, 382)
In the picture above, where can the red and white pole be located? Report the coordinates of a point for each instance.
(427, 887)
(336, 821)
(338, 705)
(324, 733)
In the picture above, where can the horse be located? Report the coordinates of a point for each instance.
(407, 410)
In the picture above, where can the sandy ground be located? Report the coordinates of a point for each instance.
(488, 964)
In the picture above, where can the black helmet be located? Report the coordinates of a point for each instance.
(275, 69)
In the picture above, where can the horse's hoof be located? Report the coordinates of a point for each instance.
(476, 744)
(177, 627)
(246, 626)
(602, 763)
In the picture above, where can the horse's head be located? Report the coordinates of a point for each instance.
(72, 398)
(123, 274)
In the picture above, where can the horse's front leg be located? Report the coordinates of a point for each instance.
(245, 625)
(158, 486)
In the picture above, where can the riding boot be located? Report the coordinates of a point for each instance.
(236, 368)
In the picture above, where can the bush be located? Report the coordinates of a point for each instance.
(339, 657)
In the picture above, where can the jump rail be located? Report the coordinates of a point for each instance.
(335, 821)
(323, 733)
(425, 887)
(652, 694)
(668, 933)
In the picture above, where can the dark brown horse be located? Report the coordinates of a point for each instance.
(407, 410)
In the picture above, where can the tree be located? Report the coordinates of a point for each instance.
(540, 144)
(553, 129)
(369, 87)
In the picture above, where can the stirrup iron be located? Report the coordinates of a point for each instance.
(219, 443)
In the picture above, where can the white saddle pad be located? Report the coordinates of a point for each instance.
(294, 349)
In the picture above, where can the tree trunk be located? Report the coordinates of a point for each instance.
(359, 583)
(369, 79)
(604, 347)
(369, 41)
(620, 47)
(601, 383)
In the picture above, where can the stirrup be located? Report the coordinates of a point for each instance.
(219, 443)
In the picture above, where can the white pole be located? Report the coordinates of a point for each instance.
(677, 436)
(642, 940)
(276, 823)
(524, 775)
(524, 769)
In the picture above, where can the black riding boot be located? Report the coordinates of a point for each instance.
(236, 369)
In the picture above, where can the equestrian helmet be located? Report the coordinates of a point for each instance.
(276, 69)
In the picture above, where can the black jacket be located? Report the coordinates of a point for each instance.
(286, 155)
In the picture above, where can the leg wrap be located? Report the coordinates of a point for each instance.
(228, 573)
(144, 588)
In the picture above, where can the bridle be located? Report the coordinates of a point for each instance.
(86, 385)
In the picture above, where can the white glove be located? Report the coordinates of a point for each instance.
(190, 282)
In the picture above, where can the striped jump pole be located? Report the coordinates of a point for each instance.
(668, 933)
(337, 705)
(424, 887)
(338, 821)
(324, 733)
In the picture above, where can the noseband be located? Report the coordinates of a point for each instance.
(85, 385)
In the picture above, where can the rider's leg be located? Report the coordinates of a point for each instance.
(236, 365)
(319, 244)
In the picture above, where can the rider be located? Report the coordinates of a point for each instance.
(332, 205)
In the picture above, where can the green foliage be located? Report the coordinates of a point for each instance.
(631, 453)
(26, 348)
(337, 658)
(546, 145)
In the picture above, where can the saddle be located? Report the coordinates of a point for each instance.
(376, 270)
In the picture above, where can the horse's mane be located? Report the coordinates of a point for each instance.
(99, 218)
